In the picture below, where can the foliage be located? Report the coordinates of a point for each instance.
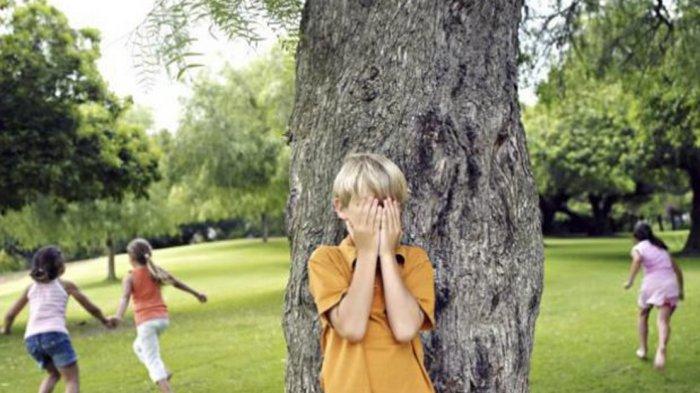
(165, 39)
(228, 157)
(56, 115)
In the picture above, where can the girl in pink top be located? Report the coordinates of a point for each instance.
(46, 336)
(662, 287)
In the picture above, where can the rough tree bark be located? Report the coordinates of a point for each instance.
(432, 85)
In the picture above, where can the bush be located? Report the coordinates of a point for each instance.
(10, 263)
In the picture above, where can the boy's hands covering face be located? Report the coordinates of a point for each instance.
(390, 232)
(364, 220)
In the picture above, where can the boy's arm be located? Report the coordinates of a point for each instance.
(127, 287)
(12, 313)
(679, 276)
(634, 269)
(349, 318)
(185, 288)
(89, 306)
(402, 309)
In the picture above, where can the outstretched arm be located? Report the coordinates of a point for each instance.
(679, 276)
(634, 268)
(185, 288)
(127, 287)
(89, 306)
(14, 311)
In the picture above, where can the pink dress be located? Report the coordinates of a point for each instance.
(660, 284)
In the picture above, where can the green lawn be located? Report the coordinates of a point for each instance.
(585, 338)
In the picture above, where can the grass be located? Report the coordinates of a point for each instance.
(586, 332)
(233, 343)
(584, 341)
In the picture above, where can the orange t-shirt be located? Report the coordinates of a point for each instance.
(379, 363)
(148, 301)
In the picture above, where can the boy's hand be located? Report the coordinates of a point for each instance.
(363, 222)
(390, 233)
(201, 297)
(627, 285)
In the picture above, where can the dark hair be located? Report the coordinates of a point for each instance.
(47, 264)
(643, 231)
(140, 250)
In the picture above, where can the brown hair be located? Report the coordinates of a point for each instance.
(140, 250)
(47, 264)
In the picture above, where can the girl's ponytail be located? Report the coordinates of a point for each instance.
(140, 250)
(47, 264)
(160, 275)
(643, 231)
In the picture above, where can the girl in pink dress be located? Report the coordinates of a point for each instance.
(662, 287)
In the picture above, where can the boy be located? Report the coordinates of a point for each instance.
(373, 294)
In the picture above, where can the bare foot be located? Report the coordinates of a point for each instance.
(641, 353)
(660, 359)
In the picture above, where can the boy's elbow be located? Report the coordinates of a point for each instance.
(353, 334)
(404, 334)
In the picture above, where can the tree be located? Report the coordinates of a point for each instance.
(101, 223)
(228, 157)
(49, 83)
(434, 87)
(582, 142)
(650, 48)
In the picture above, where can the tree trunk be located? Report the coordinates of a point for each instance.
(601, 207)
(265, 220)
(692, 243)
(111, 271)
(432, 85)
(549, 206)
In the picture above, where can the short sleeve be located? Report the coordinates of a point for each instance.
(420, 281)
(327, 282)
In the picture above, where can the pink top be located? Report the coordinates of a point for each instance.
(47, 308)
(655, 260)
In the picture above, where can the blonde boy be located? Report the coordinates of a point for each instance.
(373, 294)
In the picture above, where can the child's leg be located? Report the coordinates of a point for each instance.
(71, 377)
(643, 330)
(51, 379)
(164, 386)
(149, 350)
(664, 325)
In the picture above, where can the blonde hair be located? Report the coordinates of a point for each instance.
(367, 174)
(140, 250)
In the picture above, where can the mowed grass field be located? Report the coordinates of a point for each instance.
(233, 343)
(585, 336)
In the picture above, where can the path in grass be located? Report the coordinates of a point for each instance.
(231, 344)
(585, 337)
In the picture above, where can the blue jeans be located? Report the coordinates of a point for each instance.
(51, 347)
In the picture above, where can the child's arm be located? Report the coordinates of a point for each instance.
(127, 288)
(634, 268)
(679, 276)
(349, 318)
(402, 309)
(14, 311)
(185, 288)
(89, 306)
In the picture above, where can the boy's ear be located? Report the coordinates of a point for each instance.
(337, 206)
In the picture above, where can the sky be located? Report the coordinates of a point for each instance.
(117, 19)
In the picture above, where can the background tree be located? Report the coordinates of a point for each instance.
(647, 47)
(101, 223)
(228, 156)
(49, 83)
